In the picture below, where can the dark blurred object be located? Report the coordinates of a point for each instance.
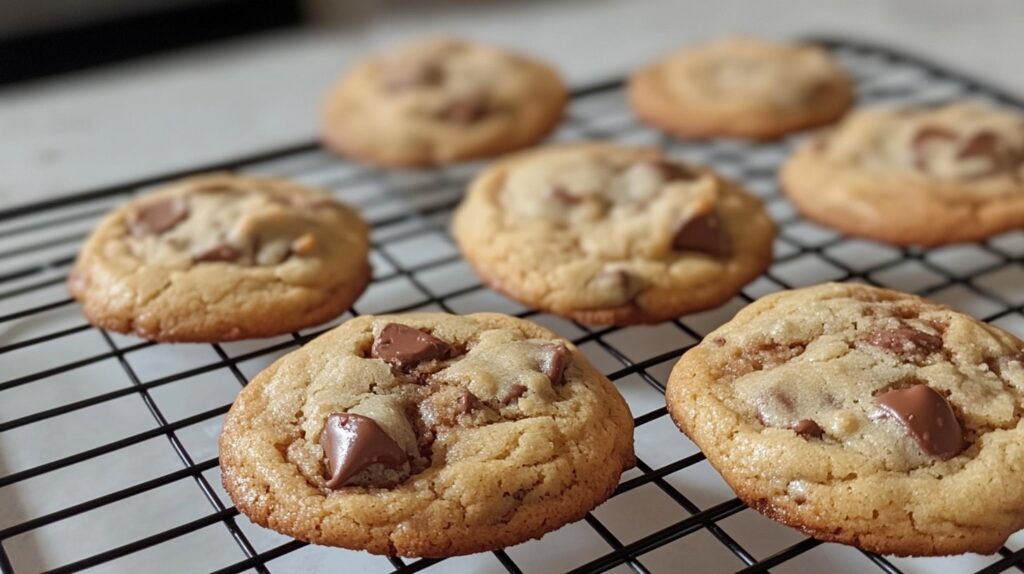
(51, 39)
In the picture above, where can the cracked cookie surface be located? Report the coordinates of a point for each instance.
(426, 435)
(863, 416)
(441, 100)
(741, 87)
(222, 257)
(606, 234)
(928, 176)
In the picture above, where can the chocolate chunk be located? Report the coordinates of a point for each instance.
(405, 347)
(987, 145)
(807, 429)
(765, 355)
(1017, 357)
(617, 285)
(704, 234)
(910, 311)
(781, 398)
(565, 196)
(467, 403)
(352, 443)
(905, 341)
(673, 171)
(464, 111)
(405, 75)
(555, 360)
(511, 393)
(927, 416)
(774, 401)
(982, 144)
(613, 279)
(219, 252)
(422, 372)
(157, 216)
(996, 365)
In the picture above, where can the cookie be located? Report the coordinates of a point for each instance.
(606, 234)
(222, 257)
(741, 87)
(439, 101)
(926, 176)
(426, 435)
(863, 416)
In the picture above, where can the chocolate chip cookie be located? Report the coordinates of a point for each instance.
(612, 235)
(438, 101)
(426, 435)
(927, 176)
(863, 416)
(222, 257)
(741, 87)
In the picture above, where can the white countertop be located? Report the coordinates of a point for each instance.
(211, 103)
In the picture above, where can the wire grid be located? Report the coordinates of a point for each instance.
(418, 268)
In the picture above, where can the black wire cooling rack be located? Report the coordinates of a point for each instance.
(72, 495)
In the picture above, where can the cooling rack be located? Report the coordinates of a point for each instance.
(108, 453)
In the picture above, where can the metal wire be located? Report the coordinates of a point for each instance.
(46, 234)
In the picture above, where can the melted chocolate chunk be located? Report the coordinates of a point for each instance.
(157, 216)
(621, 285)
(467, 403)
(405, 347)
(774, 400)
(904, 311)
(220, 252)
(352, 443)
(565, 196)
(617, 279)
(464, 111)
(982, 144)
(554, 362)
(764, 355)
(905, 342)
(807, 429)
(782, 398)
(987, 145)
(703, 234)
(673, 171)
(511, 393)
(996, 365)
(927, 416)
